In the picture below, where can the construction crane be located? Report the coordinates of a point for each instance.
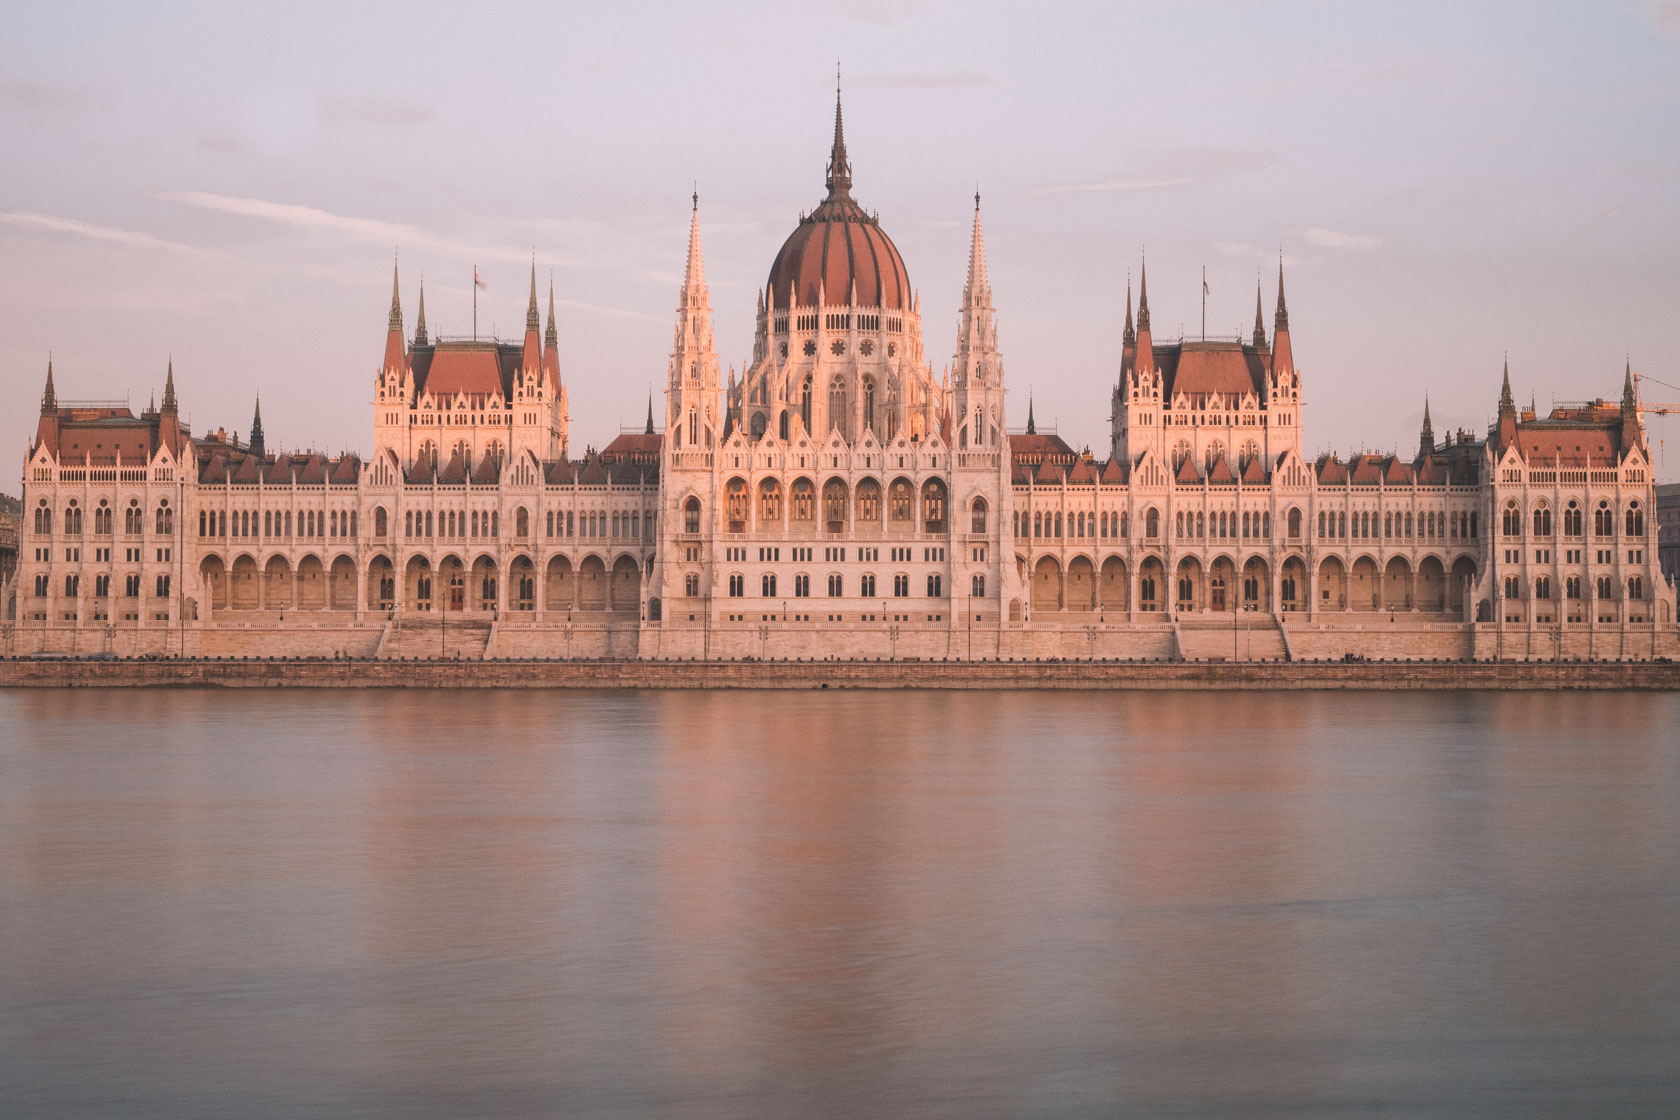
(1657, 408)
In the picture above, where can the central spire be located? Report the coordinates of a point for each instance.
(839, 169)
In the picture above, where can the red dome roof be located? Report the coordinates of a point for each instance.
(838, 246)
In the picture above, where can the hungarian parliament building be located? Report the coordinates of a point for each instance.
(840, 499)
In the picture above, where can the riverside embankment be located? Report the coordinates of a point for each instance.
(303, 673)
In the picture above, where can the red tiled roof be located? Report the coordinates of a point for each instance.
(1332, 470)
(1187, 471)
(633, 447)
(838, 246)
(475, 369)
(1202, 368)
(1038, 448)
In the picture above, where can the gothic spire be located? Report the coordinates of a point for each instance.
(978, 291)
(49, 398)
(396, 301)
(648, 431)
(420, 315)
(1282, 318)
(170, 407)
(694, 274)
(257, 447)
(1143, 297)
(1259, 323)
(551, 337)
(1129, 337)
(1506, 402)
(839, 169)
(1426, 437)
(532, 321)
(1032, 425)
(1629, 403)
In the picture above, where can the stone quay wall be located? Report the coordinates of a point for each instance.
(1070, 674)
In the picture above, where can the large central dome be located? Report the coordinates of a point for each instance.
(838, 246)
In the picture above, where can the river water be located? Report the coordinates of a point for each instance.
(784, 904)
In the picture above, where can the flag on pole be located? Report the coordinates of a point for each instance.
(1204, 280)
(477, 280)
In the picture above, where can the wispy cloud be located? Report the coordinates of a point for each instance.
(1106, 185)
(372, 109)
(1236, 248)
(1176, 169)
(408, 237)
(1333, 239)
(1665, 19)
(133, 239)
(39, 95)
(947, 79)
(292, 214)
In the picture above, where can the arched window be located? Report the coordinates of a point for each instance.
(1294, 524)
(1510, 523)
(782, 427)
(869, 404)
(1572, 520)
(165, 518)
(521, 523)
(1513, 586)
(899, 500)
(1215, 452)
(1180, 452)
(380, 521)
(977, 516)
(802, 500)
(769, 501)
(933, 506)
(1250, 452)
(805, 404)
(837, 416)
(1542, 521)
(735, 504)
(1604, 521)
(1635, 521)
(691, 515)
(1636, 587)
(1152, 523)
(693, 426)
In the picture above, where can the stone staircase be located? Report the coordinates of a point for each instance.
(427, 637)
(1256, 637)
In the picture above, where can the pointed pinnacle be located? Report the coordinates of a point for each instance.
(396, 299)
(420, 315)
(532, 322)
(839, 174)
(552, 336)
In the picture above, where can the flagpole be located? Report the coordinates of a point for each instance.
(475, 303)
(1204, 303)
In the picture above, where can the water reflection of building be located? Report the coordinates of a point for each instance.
(840, 498)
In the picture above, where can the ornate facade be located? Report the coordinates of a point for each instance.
(840, 499)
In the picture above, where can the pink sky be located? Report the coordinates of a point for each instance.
(1445, 185)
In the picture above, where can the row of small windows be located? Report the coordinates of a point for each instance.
(837, 503)
(313, 524)
(768, 584)
(1604, 587)
(104, 517)
(1603, 521)
(1431, 525)
(101, 586)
